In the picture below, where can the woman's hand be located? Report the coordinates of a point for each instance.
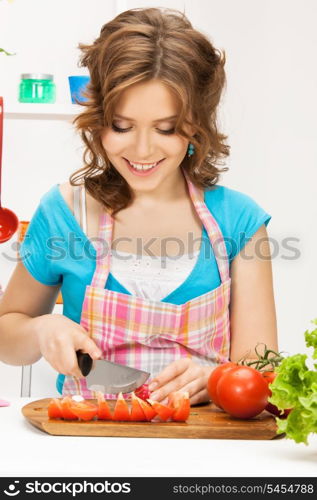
(182, 375)
(59, 338)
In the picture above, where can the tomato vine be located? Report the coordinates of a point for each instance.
(269, 360)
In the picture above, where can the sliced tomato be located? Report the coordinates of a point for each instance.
(179, 401)
(121, 409)
(55, 408)
(67, 412)
(84, 410)
(137, 413)
(143, 392)
(149, 412)
(104, 412)
(181, 414)
(163, 411)
(174, 398)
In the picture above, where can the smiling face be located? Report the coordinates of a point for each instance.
(141, 144)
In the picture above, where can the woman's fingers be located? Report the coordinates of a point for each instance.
(191, 378)
(71, 363)
(64, 360)
(169, 374)
(86, 344)
(59, 341)
(200, 397)
(61, 353)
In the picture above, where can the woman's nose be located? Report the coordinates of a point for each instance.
(143, 146)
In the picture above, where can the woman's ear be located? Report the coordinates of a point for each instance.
(192, 130)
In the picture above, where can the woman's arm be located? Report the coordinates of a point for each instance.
(24, 300)
(252, 307)
(28, 330)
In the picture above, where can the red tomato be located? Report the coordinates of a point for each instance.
(163, 411)
(55, 408)
(149, 412)
(104, 412)
(180, 402)
(84, 410)
(143, 392)
(214, 378)
(175, 398)
(270, 377)
(242, 392)
(121, 409)
(67, 412)
(137, 413)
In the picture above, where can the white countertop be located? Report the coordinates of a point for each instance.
(26, 451)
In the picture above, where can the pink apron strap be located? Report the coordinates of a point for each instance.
(214, 233)
(103, 251)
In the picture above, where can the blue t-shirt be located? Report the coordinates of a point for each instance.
(57, 251)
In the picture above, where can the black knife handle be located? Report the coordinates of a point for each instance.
(84, 362)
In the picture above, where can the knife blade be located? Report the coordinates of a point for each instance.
(108, 377)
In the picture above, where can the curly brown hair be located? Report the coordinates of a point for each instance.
(140, 45)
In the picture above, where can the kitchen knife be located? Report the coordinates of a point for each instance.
(108, 377)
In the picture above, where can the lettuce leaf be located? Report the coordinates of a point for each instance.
(311, 340)
(296, 387)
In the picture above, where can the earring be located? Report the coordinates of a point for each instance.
(190, 150)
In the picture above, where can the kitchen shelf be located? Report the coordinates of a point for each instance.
(33, 111)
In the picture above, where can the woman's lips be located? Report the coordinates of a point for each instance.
(143, 173)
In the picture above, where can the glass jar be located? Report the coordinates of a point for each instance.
(37, 87)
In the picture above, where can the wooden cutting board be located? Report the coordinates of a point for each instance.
(204, 422)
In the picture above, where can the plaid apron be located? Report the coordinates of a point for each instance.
(149, 334)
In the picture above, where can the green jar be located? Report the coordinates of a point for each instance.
(37, 87)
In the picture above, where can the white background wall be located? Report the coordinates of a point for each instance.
(268, 111)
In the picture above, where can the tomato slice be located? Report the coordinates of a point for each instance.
(174, 398)
(67, 412)
(137, 413)
(143, 392)
(104, 412)
(121, 409)
(84, 409)
(181, 414)
(149, 412)
(179, 401)
(163, 411)
(55, 408)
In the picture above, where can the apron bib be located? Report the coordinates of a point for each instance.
(149, 334)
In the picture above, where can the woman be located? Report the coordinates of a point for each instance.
(149, 279)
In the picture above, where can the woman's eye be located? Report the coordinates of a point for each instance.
(118, 129)
(122, 130)
(170, 131)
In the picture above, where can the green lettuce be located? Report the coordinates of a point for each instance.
(296, 387)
